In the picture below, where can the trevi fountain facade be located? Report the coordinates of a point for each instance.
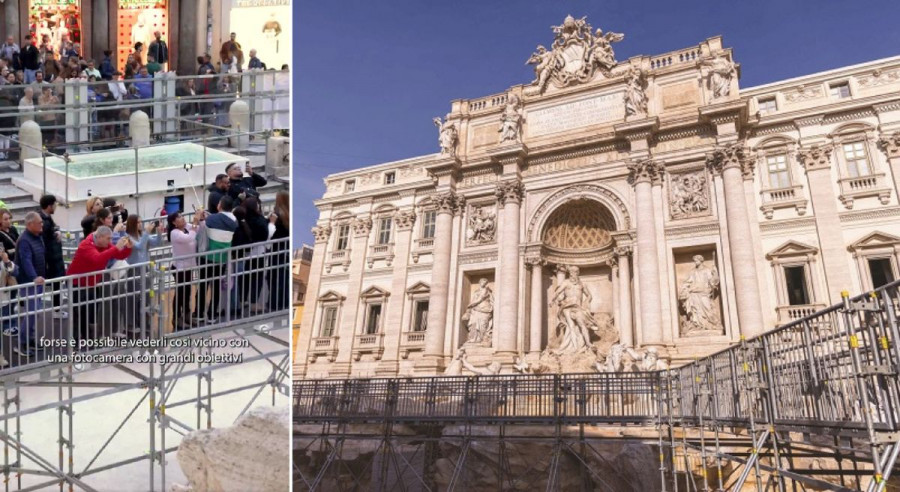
(610, 215)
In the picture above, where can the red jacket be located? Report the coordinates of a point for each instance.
(89, 258)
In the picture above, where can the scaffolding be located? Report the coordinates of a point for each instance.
(143, 396)
(812, 405)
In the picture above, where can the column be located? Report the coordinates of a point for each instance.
(643, 174)
(350, 325)
(509, 196)
(613, 263)
(536, 322)
(448, 203)
(730, 162)
(626, 330)
(307, 329)
(11, 20)
(403, 222)
(890, 145)
(817, 162)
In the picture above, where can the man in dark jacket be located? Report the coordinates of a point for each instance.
(159, 50)
(53, 247)
(31, 59)
(106, 66)
(239, 187)
(31, 264)
(216, 191)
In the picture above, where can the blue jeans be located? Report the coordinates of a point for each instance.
(32, 296)
(30, 76)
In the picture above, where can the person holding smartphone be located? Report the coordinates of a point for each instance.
(240, 187)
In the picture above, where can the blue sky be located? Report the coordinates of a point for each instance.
(370, 75)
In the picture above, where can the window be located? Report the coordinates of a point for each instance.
(420, 321)
(779, 177)
(328, 321)
(840, 90)
(349, 185)
(343, 238)
(767, 105)
(373, 320)
(384, 231)
(795, 277)
(857, 160)
(429, 219)
(389, 178)
(882, 272)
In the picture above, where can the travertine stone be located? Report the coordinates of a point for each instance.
(139, 129)
(643, 173)
(728, 162)
(253, 454)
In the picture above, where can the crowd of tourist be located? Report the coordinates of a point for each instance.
(32, 78)
(228, 250)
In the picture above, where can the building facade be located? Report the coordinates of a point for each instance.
(649, 204)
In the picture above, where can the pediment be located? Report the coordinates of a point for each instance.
(792, 248)
(374, 291)
(874, 240)
(331, 296)
(418, 288)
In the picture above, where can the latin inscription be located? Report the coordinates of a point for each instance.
(575, 114)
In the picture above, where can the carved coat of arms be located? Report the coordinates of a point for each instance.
(577, 53)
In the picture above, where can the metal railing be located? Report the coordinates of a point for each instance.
(83, 115)
(835, 372)
(115, 311)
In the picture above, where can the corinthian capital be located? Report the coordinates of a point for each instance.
(404, 219)
(890, 145)
(362, 226)
(730, 156)
(449, 202)
(646, 170)
(509, 191)
(321, 233)
(815, 157)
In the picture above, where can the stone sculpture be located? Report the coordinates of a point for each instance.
(491, 369)
(479, 315)
(448, 136)
(240, 457)
(481, 227)
(511, 120)
(571, 296)
(635, 96)
(721, 71)
(521, 366)
(614, 360)
(577, 54)
(648, 361)
(697, 295)
(688, 195)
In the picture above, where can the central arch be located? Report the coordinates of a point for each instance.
(614, 212)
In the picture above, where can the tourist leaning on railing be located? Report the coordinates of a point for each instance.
(93, 255)
(183, 237)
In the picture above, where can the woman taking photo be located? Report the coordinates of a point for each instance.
(183, 237)
(142, 239)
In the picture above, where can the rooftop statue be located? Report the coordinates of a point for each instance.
(578, 53)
